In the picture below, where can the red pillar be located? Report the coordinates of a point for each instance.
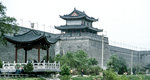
(25, 56)
(39, 54)
(47, 54)
(16, 55)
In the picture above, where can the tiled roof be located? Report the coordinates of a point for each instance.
(78, 15)
(67, 27)
(32, 36)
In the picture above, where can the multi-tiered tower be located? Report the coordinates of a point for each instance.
(78, 22)
(79, 34)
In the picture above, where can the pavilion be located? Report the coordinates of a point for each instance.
(32, 39)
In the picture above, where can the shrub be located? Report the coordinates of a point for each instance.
(139, 77)
(65, 70)
(92, 61)
(123, 77)
(109, 75)
(118, 64)
(65, 77)
(94, 70)
(28, 67)
(87, 78)
(78, 61)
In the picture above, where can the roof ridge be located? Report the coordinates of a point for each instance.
(35, 32)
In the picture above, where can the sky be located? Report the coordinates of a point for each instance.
(125, 22)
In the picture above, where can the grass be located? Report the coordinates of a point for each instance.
(139, 77)
(87, 78)
(22, 79)
(130, 77)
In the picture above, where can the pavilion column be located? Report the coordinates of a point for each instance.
(39, 54)
(16, 54)
(47, 54)
(25, 56)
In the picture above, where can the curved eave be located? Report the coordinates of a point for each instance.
(15, 40)
(68, 28)
(52, 40)
(91, 19)
(71, 17)
(83, 27)
(95, 29)
(78, 17)
(31, 31)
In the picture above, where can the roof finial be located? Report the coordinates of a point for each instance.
(74, 8)
(83, 11)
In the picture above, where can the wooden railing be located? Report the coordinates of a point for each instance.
(37, 67)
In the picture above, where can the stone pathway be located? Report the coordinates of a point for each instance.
(52, 78)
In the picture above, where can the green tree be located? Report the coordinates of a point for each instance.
(117, 64)
(95, 70)
(73, 60)
(28, 67)
(57, 58)
(92, 61)
(7, 24)
(70, 59)
(65, 70)
(78, 61)
(109, 75)
(51, 60)
(81, 60)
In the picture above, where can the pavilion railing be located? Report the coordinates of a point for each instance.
(37, 67)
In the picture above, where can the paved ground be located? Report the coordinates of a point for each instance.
(52, 78)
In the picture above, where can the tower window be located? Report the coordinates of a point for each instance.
(74, 22)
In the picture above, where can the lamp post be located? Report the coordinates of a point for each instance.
(102, 61)
(131, 62)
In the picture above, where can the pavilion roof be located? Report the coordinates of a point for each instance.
(76, 14)
(67, 27)
(32, 36)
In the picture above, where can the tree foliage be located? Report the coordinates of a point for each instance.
(92, 61)
(7, 24)
(65, 70)
(95, 70)
(78, 61)
(111, 75)
(28, 67)
(117, 64)
(74, 60)
(51, 60)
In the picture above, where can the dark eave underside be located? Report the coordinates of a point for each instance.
(78, 17)
(77, 27)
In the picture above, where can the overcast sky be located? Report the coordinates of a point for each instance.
(125, 21)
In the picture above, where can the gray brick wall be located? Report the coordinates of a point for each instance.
(90, 43)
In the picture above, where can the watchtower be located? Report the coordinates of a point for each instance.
(78, 22)
(79, 34)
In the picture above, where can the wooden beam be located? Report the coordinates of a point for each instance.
(16, 55)
(47, 54)
(25, 56)
(39, 54)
